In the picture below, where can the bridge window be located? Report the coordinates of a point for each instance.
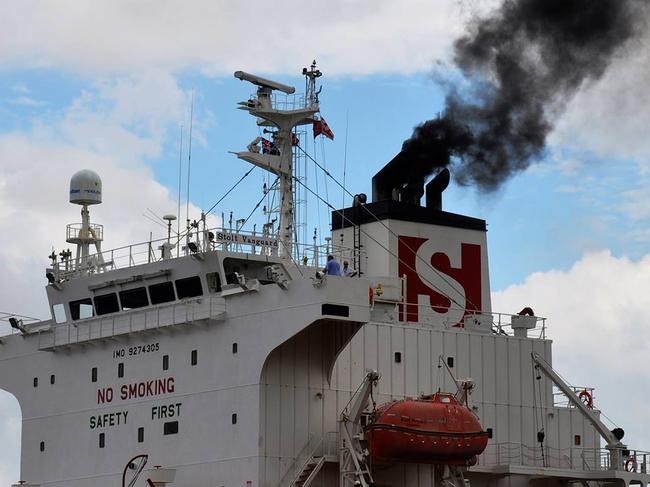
(398, 357)
(134, 298)
(80, 309)
(490, 432)
(106, 303)
(214, 282)
(450, 362)
(58, 312)
(162, 293)
(577, 440)
(189, 287)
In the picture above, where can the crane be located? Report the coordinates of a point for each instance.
(617, 450)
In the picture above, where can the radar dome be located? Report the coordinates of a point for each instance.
(86, 188)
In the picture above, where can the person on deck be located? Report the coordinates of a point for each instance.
(332, 268)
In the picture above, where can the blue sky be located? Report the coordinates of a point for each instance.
(108, 88)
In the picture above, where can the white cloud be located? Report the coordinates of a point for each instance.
(26, 101)
(611, 117)
(346, 36)
(597, 317)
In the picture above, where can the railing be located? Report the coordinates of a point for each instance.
(322, 446)
(497, 323)
(587, 459)
(75, 231)
(560, 399)
(204, 240)
(98, 327)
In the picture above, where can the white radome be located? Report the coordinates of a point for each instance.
(86, 188)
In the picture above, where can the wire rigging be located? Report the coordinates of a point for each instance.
(451, 284)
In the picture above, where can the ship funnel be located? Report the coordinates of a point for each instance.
(390, 183)
(435, 188)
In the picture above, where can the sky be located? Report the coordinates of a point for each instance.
(110, 85)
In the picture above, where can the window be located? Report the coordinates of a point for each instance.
(195, 357)
(140, 435)
(233, 419)
(120, 370)
(35, 381)
(58, 313)
(93, 374)
(52, 379)
(398, 357)
(214, 282)
(170, 428)
(134, 298)
(234, 348)
(490, 432)
(162, 293)
(577, 440)
(106, 303)
(80, 309)
(450, 362)
(165, 362)
(189, 287)
(42, 447)
(102, 440)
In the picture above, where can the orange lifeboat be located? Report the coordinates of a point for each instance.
(433, 429)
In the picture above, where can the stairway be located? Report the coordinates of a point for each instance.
(308, 472)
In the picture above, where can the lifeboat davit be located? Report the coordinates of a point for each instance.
(433, 429)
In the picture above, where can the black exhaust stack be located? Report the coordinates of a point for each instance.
(435, 188)
(393, 182)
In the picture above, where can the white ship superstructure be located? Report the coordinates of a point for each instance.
(226, 359)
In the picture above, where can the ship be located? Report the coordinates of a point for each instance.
(224, 357)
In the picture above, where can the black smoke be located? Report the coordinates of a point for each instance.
(518, 68)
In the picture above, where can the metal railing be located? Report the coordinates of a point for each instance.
(205, 240)
(498, 323)
(321, 446)
(153, 317)
(587, 459)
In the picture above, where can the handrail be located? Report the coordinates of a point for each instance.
(577, 458)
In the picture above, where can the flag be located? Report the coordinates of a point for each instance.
(269, 147)
(321, 127)
(294, 139)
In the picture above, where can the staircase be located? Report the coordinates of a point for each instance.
(308, 472)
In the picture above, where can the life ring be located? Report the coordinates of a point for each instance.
(630, 465)
(586, 398)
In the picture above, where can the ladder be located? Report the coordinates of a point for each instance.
(308, 472)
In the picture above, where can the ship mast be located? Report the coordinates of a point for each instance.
(276, 155)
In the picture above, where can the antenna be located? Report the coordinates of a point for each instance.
(189, 160)
(180, 168)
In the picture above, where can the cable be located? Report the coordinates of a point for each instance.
(440, 274)
(378, 243)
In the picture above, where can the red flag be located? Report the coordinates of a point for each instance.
(321, 127)
(294, 139)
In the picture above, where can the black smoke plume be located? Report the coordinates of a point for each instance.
(519, 66)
